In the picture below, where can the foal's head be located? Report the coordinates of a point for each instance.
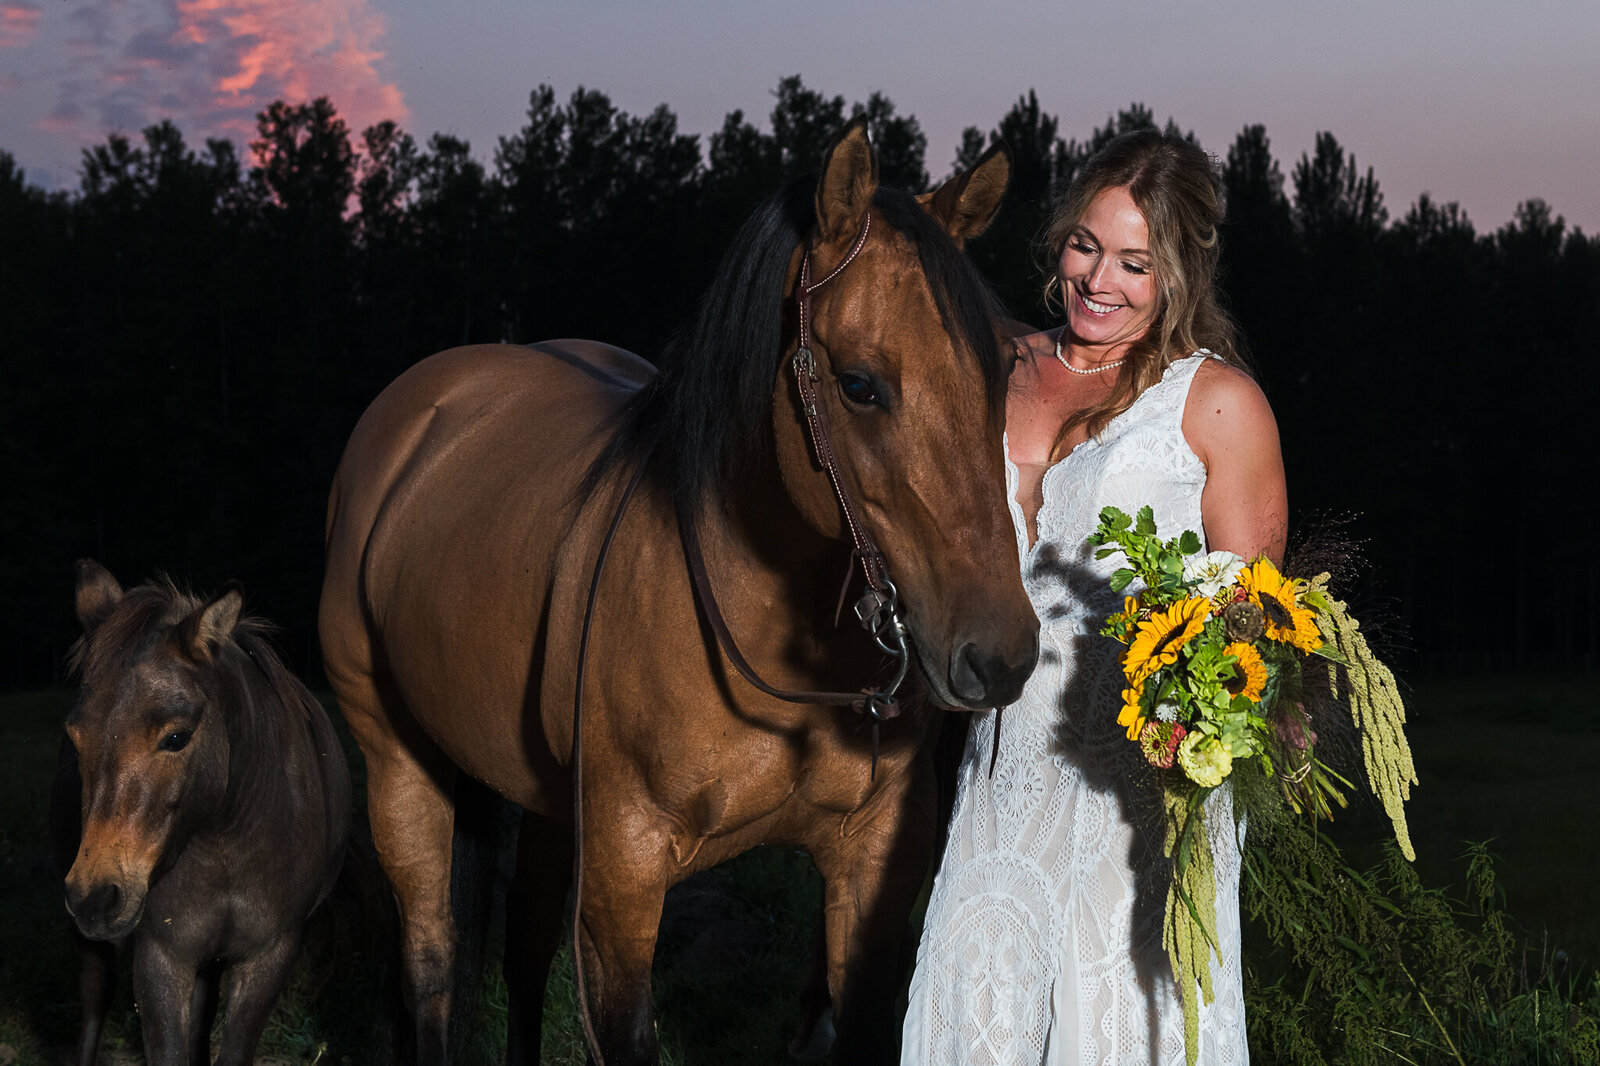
(150, 735)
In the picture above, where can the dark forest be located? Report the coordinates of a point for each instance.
(190, 335)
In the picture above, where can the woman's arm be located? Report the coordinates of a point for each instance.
(1228, 424)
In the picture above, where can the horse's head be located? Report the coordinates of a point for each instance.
(152, 748)
(911, 378)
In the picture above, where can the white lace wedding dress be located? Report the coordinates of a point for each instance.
(1042, 942)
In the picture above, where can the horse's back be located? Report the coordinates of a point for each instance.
(451, 516)
(540, 394)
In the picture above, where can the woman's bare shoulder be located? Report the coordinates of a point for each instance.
(1225, 390)
(1227, 410)
(1028, 341)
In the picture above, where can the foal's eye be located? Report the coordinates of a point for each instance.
(860, 390)
(176, 740)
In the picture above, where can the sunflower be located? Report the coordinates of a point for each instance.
(1131, 716)
(1279, 599)
(1249, 673)
(1159, 638)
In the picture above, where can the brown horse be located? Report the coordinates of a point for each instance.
(464, 527)
(204, 814)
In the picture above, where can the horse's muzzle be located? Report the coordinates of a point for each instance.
(102, 910)
(990, 677)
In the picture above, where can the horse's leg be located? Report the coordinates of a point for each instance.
(97, 980)
(813, 1039)
(203, 1012)
(163, 994)
(623, 889)
(409, 806)
(253, 986)
(871, 878)
(534, 908)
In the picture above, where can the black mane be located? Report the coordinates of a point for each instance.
(707, 413)
(146, 615)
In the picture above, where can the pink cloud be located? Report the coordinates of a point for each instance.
(211, 65)
(293, 50)
(19, 23)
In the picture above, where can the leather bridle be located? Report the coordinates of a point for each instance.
(877, 609)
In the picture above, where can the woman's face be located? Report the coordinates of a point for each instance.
(1107, 275)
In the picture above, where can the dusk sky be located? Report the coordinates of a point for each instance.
(1484, 103)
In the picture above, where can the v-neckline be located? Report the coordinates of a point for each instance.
(1014, 472)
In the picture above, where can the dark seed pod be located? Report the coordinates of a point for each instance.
(1244, 621)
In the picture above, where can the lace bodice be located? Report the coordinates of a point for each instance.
(1042, 942)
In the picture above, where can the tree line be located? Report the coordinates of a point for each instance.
(189, 337)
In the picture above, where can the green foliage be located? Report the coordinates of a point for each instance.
(1375, 967)
(1158, 563)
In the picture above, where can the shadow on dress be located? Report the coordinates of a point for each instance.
(1087, 734)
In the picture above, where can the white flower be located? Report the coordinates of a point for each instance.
(1210, 574)
(1167, 710)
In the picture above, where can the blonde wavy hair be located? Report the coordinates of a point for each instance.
(1178, 189)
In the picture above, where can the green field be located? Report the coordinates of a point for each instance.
(1508, 759)
(1514, 761)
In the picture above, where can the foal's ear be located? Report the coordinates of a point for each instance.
(98, 594)
(849, 178)
(966, 204)
(204, 632)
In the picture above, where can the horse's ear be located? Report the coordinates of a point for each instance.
(966, 204)
(204, 632)
(98, 594)
(849, 178)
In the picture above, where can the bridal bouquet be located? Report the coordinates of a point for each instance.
(1218, 654)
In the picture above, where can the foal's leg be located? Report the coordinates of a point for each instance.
(253, 987)
(163, 993)
(409, 787)
(97, 980)
(203, 1012)
(872, 873)
(535, 905)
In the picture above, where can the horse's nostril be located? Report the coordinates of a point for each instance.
(99, 902)
(968, 674)
(981, 678)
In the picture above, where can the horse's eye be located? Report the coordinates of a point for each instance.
(860, 390)
(176, 740)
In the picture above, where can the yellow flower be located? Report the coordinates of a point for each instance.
(1205, 761)
(1249, 673)
(1279, 599)
(1132, 717)
(1159, 638)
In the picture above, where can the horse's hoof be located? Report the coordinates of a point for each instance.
(813, 1046)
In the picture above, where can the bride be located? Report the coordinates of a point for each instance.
(1042, 942)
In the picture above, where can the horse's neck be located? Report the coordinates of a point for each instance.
(777, 581)
(258, 719)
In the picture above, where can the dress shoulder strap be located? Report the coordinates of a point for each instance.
(1164, 401)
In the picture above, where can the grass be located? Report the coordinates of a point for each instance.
(1511, 760)
(1514, 761)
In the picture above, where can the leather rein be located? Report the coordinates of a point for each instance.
(877, 609)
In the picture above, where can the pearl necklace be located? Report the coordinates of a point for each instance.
(1102, 368)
